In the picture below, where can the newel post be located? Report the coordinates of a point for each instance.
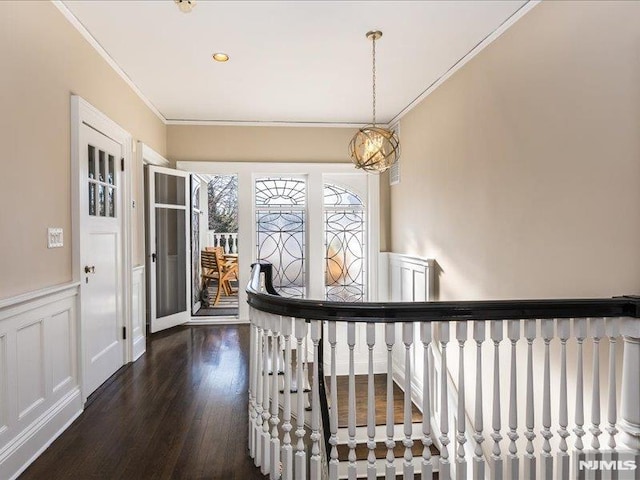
(630, 395)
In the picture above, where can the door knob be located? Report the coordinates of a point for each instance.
(91, 269)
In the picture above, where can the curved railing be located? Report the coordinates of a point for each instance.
(544, 435)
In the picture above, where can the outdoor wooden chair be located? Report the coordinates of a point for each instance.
(214, 267)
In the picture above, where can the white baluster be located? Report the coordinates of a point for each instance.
(275, 404)
(479, 333)
(612, 331)
(390, 340)
(461, 461)
(257, 433)
(629, 422)
(563, 415)
(252, 383)
(427, 466)
(546, 459)
(315, 467)
(371, 406)
(301, 456)
(529, 456)
(596, 326)
(407, 339)
(445, 464)
(580, 332)
(351, 343)
(287, 448)
(266, 400)
(496, 423)
(305, 366)
(513, 462)
(333, 441)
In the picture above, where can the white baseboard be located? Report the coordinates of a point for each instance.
(139, 347)
(33, 440)
(216, 321)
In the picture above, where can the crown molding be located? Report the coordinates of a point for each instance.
(73, 20)
(485, 42)
(257, 123)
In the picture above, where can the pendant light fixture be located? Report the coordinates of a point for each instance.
(374, 149)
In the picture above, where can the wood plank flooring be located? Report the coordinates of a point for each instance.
(380, 388)
(179, 412)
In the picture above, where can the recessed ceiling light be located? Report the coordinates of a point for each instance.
(220, 57)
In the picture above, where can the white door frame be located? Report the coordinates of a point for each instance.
(247, 173)
(82, 112)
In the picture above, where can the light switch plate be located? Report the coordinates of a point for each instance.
(54, 238)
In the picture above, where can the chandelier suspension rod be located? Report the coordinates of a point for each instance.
(374, 80)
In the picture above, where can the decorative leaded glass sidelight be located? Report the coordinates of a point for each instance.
(345, 235)
(280, 229)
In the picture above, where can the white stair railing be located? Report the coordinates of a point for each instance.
(524, 353)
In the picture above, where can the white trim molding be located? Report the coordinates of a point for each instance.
(39, 373)
(83, 113)
(256, 123)
(148, 156)
(138, 313)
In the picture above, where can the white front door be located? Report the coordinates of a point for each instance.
(169, 227)
(101, 261)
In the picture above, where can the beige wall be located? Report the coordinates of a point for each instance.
(258, 144)
(270, 144)
(521, 173)
(44, 59)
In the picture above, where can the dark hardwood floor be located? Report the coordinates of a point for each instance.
(380, 392)
(179, 412)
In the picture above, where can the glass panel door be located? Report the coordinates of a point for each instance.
(169, 266)
(280, 231)
(345, 244)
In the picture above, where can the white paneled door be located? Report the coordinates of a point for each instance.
(169, 232)
(101, 223)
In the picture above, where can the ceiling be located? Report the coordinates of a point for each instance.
(290, 61)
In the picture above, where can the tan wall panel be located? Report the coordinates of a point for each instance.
(44, 59)
(520, 174)
(257, 144)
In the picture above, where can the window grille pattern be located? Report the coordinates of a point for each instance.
(280, 228)
(345, 233)
(102, 183)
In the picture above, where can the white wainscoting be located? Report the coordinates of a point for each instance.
(138, 314)
(411, 279)
(39, 386)
(401, 278)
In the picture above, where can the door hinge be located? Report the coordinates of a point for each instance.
(124, 333)
(122, 164)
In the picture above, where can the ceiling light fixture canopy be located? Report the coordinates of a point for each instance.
(185, 6)
(374, 149)
(220, 57)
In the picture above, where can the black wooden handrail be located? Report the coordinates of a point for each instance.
(377, 312)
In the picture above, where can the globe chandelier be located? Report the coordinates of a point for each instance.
(374, 148)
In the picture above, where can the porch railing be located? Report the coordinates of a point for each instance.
(527, 414)
(228, 241)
